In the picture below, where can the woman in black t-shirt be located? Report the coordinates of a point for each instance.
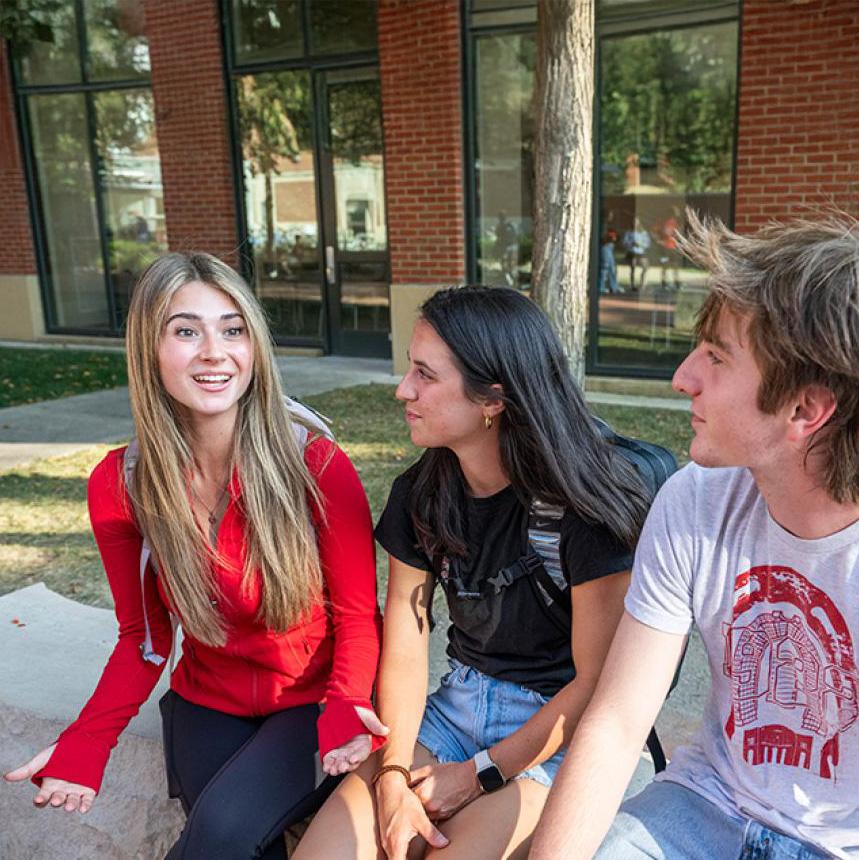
(489, 395)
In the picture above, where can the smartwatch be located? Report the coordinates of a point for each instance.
(488, 774)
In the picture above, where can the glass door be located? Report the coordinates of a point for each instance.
(354, 221)
(276, 117)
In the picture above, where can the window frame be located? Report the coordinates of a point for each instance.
(515, 21)
(88, 89)
(310, 63)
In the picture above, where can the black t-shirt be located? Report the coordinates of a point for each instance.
(513, 637)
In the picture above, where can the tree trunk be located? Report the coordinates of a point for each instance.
(564, 169)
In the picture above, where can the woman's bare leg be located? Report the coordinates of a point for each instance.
(497, 826)
(345, 827)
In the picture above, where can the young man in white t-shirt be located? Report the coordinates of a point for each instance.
(757, 543)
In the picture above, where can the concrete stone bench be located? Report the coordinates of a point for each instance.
(53, 650)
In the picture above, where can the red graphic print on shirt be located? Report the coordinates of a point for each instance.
(795, 686)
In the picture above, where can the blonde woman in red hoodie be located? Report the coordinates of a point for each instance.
(261, 545)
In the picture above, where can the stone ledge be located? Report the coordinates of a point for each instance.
(53, 653)
(131, 819)
(54, 650)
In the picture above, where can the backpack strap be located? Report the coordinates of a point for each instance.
(544, 541)
(129, 463)
(306, 421)
(525, 566)
(541, 560)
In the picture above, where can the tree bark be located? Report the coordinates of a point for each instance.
(564, 169)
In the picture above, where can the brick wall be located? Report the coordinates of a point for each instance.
(798, 138)
(192, 125)
(17, 254)
(420, 68)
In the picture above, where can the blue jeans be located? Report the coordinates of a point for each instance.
(471, 711)
(608, 277)
(667, 821)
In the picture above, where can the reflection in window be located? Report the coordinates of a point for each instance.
(275, 114)
(56, 61)
(58, 124)
(339, 26)
(116, 40)
(355, 120)
(267, 30)
(666, 131)
(130, 177)
(504, 166)
(122, 187)
(357, 161)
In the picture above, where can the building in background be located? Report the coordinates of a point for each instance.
(351, 156)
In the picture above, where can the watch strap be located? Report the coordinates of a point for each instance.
(483, 760)
(489, 775)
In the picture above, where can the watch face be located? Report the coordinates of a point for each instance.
(490, 778)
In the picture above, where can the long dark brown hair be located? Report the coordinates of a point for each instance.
(551, 448)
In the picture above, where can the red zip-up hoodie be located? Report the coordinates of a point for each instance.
(331, 657)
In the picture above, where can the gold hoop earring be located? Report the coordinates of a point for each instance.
(487, 420)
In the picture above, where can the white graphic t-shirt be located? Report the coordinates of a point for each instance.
(779, 617)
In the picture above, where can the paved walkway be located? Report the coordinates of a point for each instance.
(72, 423)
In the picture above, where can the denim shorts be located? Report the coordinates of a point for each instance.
(470, 712)
(668, 821)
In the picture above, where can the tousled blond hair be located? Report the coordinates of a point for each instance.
(276, 486)
(797, 284)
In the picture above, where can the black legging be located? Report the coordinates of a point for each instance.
(241, 780)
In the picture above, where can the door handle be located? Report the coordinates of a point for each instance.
(330, 266)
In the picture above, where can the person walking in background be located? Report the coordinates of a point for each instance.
(608, 264)
(756, 542)
(637, 243)
(261, 545)
(507, 249)
(669, 257)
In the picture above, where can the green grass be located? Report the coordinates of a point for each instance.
(32, 375)
(44, 524)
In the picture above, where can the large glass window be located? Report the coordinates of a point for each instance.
(337, 27)
(504, 157)
(275, 113)
(57, 61)
(666, 124)
(116, 42)
(310, 133)
(265, 30)
(130, 181)
(95, 157)
(61, 143)
(665, 114)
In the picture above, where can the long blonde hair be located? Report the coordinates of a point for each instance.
(276, 486)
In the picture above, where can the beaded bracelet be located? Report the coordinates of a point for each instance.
(388, 768)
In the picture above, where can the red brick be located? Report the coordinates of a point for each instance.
(799, 109)
(420, 68)
(191, 121)
(17, 252)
